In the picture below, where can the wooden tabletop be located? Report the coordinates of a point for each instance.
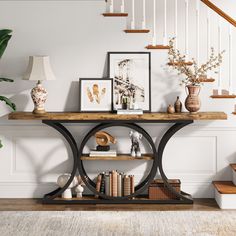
(149, 117)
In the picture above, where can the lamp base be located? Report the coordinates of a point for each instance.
(38, 111)
(39, 97)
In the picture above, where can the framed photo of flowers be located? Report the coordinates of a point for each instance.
(96, 95)
(131, 73)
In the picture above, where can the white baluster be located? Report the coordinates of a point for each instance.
(230, 61)
(154, 40)
(122, 7)
(208, 34)
(112, 6)
(176, 24)
(219, 49)
(208, 38)
(197, 33)
(144, 15)
(186, 30)
(133, 15)
(165, 24)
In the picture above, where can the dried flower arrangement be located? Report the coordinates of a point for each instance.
(193, 73)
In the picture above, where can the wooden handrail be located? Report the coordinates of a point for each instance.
(220, 12)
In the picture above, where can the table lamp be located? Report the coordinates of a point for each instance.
(39, 69)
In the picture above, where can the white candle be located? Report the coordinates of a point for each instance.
(176, 24)
(133, 15)
(112, 7)
(230, 61)
(144, 15)
(219, 49)
(165, 24)
(154, 23)
(122, 8)
(186, 30)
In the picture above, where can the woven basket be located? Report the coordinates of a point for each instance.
(158, 191)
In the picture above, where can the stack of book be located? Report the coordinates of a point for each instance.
(110, 153)
(130, 112)
(115, 184)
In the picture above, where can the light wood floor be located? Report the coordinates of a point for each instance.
(36, 205)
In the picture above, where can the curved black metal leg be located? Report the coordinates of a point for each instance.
(68, 136)
(186, 198)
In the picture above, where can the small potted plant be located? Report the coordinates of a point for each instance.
(193, 74)
(5, 36)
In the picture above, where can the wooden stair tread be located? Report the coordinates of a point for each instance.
(115, 14)
(224, 96)
(207, 80)
(233, 166)
(158, 47)
(188, 63)
(139, 31)
(225, 187)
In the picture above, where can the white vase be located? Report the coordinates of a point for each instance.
(79, 190)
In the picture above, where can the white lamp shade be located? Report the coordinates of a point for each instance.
(39, 68)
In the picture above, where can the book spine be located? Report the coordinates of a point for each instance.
(107, 184)
(131, 184)
(119, 186)
(98, 185)
(122, 184)
(110, 181)
(114, 183)
(102, 188)
(126, 185)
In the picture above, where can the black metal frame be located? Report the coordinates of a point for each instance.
(149, 68)
(181, 198)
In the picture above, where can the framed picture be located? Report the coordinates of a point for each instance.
(96, 95)
(131, 73)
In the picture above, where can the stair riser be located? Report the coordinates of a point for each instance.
(225, 201)
(234, 176)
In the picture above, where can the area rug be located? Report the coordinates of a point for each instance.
(106, 223)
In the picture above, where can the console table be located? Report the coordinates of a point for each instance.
(106, 120)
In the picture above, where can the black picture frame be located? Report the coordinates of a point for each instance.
(149, 74)
(81, 100)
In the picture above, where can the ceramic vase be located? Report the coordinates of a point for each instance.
(178, 105)
(192, 102)
(39, 97)
(170, 109)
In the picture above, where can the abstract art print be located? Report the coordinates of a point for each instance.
(96, 95)
(131, 73)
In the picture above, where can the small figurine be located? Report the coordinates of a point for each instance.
(79, 189)
(135, 148)
(178, 105)
(62, 180)
(170, 109)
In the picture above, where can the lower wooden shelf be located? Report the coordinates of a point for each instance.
(92, 200)
(121, 157)
(115, 14)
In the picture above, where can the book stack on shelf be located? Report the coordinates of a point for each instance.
(115, 184)
(110, 153)
(129, 112)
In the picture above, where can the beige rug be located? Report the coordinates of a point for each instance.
(105, 223)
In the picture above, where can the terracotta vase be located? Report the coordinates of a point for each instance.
(192, 102)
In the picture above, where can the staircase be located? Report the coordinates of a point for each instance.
(225, 191)
(143, 10)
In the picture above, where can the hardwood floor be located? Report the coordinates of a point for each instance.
(36, 205)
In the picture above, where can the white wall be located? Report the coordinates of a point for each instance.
(77, 38)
